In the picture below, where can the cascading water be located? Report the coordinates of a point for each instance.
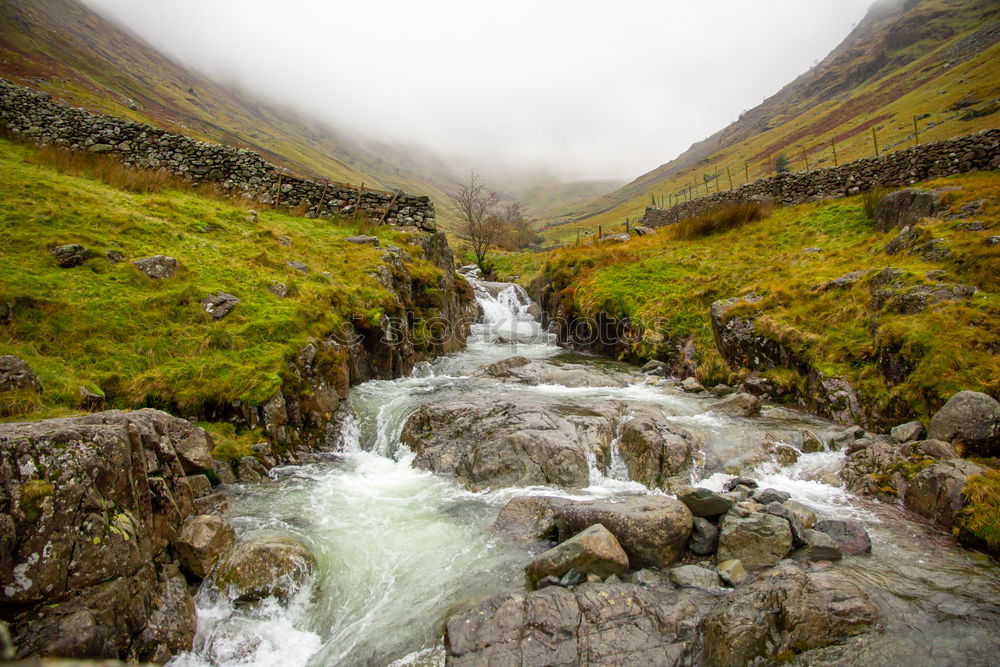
(398, 547)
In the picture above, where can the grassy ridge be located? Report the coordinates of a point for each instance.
(667, 284)
(140, 341)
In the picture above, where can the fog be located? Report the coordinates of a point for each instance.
(583, 89)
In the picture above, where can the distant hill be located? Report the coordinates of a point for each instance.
(933, 59)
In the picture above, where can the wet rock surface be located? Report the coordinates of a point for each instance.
(265, 567)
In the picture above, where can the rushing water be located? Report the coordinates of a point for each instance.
(398, 547)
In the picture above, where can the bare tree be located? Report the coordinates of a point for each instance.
(483, 228)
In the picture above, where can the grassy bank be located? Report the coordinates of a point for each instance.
(138, 341)
(666, 283)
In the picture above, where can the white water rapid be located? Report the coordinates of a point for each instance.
(397, 548)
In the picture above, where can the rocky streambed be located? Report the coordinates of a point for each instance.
(515, 504)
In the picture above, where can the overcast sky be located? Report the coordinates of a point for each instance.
(589, 89)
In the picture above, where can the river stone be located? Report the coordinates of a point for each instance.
(936, 491)
(817, 546)
(971, 418)
(737, 405)
(159, 267)
(491, 444)
(785, 610)
(758, 540)
(654, 367)
(798, 530)
(691, 385)
(68, 256)
(528, 519)
(16, 375)
(704, 537)
(739, 481)
(906, 432)
(203, 539)
(265, 567)
(732, 572)
(653, 530)
(219, 304)
(591, 551)
(694, 576)
(803, 515)
(905, 208)
(704, 502)
(849, 534)
(766, 496)
(656, 453)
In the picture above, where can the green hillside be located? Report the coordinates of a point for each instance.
(931, 59)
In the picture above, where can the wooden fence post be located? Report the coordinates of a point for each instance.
(746, 170)
(875, 140)
(806, 158)
(916, 133)
(730, 176)
(834, 145)
(598, 232)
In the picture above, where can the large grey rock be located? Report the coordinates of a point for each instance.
(849, 534)
(704, 502)
(109, 489)
(694, 576)
(219, 304)
(68, 256)
(527, 519)
(737, 405)
(593, 550)
(534, 372)
(202, 541)
(657, 454)
(792, 517)
(817, 546)
(758, 540)
(159, 267)
(653, 530)
(491, 444)
(936, 491)
(16, 375)
(905, 208)
(265, 567)
(971, 418)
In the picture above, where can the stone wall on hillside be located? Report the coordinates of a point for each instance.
(904, 167)
(239, 172)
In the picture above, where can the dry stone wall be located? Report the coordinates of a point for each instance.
(239, 172)
(904, 167)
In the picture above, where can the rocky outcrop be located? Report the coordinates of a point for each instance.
(159, 267)
(625, 624)
(657, 454)
(971, 419)
(594, 550)
(525, 371)
(16, 375)
(905, 207)
(265, 567)
(936, 491)
(528, 519)
(202, 541)
(90, 509)
(70, 255)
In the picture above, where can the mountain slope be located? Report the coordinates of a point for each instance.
(905, 59)
(65, 49)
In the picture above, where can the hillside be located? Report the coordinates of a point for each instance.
(933, 59)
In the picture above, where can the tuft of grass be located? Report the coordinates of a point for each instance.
(107, 169)
(980, 518)
(719, 220)
(230, 444)
(870, 199)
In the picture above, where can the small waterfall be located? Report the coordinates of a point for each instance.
(505, 314)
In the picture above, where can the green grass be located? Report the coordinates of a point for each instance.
(667, 285)
(146, 342)
(980, 518)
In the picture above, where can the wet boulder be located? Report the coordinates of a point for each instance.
(758, 540)
(691, 385)
(971, 418)
(653, 530)
(695, 576)
(704, 502)
(849, 534)
(732, 572)
(593, 550)
(202, 541)
(265, 567)
(491, 444)
(704, 537)
(159, 267)
(936, 491)
(657, 454)
(737, 405)
(765, 496)
(817, 546)
(527, 519)
(533, 372)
